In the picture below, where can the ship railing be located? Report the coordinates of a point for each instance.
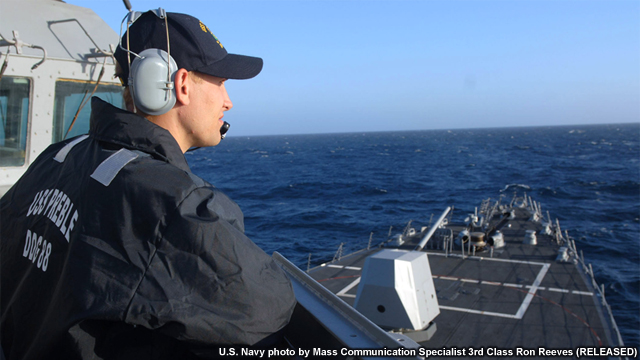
(513, 200)
(442, 240)
(484, 206)
(407, 228)
(431, 231)
(338, 254)
(565, 240)
(598, 288)
(492, 212)
(534, 207)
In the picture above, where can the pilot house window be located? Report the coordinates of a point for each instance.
(14, 114)
(69, 96)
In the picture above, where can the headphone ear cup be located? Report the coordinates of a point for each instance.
(149, 89)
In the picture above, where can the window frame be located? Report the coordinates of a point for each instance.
(24, 137)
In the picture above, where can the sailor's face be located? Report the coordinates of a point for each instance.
(211, 101)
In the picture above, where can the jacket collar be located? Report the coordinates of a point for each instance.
(126, 129)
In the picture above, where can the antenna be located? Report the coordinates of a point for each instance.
(127, 4)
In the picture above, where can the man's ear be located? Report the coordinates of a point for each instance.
(182, 86)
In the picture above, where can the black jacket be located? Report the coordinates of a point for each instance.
(117, 250)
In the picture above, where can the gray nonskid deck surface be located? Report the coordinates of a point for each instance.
(521, 297)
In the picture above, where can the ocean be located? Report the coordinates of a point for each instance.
(307, 194)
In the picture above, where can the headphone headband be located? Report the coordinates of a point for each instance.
(151, 90)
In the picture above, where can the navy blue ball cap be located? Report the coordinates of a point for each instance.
(192, 45)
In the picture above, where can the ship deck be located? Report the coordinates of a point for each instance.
(517, 296)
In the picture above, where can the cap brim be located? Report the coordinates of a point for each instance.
(234, 66)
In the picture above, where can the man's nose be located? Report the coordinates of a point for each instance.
(227, 101)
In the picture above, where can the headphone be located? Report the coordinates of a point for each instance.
(152, 72)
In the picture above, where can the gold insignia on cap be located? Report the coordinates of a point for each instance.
(206, 29)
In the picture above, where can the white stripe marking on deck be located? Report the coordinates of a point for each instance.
(530, 294)
(347, 295)
(582, 292)
(344, 291)
(540, 288)
(512, 285)
(490, 259)
(489, 313)
(519, 286)
(490, 283)
(470, 281)
(344, 267)
(527, 300)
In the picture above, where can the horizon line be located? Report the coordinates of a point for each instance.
(229, 136)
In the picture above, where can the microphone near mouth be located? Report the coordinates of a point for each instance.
(223, 130)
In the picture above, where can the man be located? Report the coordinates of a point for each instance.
(112, 248)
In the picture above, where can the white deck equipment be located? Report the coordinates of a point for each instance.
(396, 290)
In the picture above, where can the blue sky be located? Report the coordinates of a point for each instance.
(364, 65)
